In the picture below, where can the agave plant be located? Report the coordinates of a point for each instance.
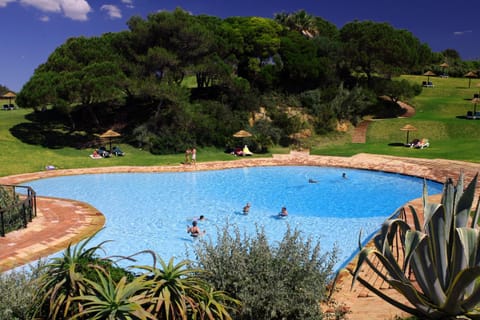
(106, 299)
(438, 268)
(177, 292)
(64, 278)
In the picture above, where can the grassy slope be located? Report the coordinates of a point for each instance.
(436, 118)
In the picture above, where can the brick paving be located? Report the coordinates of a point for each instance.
(60, 222)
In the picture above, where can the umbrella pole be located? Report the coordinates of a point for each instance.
(406, 143)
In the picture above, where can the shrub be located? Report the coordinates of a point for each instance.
(18, 289)
(285, 281)
(12, 216)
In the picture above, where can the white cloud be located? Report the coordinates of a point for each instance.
(4, 3)
(76, 9)
(43, 5)
(44, 18)
(128, 3)
(112, 11)
(73, 9)
(461, 33)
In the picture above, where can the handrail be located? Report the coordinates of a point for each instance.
(27, 207)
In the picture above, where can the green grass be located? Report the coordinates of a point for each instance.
(18, 157)
(437, 111)
(438, 118)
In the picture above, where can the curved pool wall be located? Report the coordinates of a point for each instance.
(152, 210)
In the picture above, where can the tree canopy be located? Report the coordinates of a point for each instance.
(185, 79)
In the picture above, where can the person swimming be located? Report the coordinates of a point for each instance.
(283, 212)
(194, 230)
(312, 180)
(246, 209)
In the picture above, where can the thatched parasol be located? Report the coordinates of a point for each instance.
(110, 134)
(408, 128)
(9, 95)
(470, 75)
(443, 66)
(429, 74)
(242, 134)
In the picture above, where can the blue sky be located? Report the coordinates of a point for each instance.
(32, 29)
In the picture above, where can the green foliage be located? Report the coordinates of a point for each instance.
(397, 89)
(66, 277)
(89, 84)
(176, 291)
(12, 210)
(282, 281)
(372, 47)
(18, 290)
(81, 285)
(441, 254)
(107, 299)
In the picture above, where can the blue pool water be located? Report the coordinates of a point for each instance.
(152, 210)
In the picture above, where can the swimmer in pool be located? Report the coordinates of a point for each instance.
(284, 212)
(246, 209)
(312, 181)
(194, 230)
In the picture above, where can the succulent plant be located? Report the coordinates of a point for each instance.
(436, 267)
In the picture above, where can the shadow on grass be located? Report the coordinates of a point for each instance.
(52, 137)
(396, 144)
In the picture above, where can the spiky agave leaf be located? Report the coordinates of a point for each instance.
(464, 204)
(445, 260)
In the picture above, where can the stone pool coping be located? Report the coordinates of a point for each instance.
(60, 222)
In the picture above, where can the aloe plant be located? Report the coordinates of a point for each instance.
(437, 266)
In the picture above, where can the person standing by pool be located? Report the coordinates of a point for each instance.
(246, 209)
(194, 230)
(194, 156)
(283, 212)
(188, 153)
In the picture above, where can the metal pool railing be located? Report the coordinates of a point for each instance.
(17, 214)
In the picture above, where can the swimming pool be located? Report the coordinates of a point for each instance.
(152, 210)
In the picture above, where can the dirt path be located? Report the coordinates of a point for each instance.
(360, 133)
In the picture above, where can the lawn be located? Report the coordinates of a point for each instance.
(438, 117)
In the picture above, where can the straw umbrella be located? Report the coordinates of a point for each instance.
(429, 74)
(470, 75)
(443, 66)
(408, 128)
(9, 95)
(110, 134)
(242, 134)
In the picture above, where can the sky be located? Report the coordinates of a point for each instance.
(33, 29)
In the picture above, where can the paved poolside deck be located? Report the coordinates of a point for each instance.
(60, 222)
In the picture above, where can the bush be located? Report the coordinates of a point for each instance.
(12, 214)
(17, 293)
(286, 281)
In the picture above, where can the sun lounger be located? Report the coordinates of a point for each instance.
(117, 152)
(421, 144)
